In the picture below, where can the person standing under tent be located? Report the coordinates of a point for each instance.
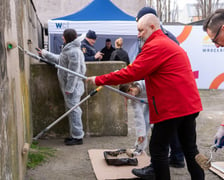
(119, 54)
(107, 50)
(88, 49)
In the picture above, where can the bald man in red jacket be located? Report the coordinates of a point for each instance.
(173, 97)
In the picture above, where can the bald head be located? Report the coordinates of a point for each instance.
(149, 20)
(147, 24)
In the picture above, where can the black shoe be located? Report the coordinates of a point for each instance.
(74, 141)
(145, 173)
(176, 164)
(68, 139)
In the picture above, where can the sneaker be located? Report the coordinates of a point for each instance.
(68, 139)
(137, 152)
(74, 141)
(176, 163)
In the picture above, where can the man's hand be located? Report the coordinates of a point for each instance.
(91, 80)
(98, 55)
(41, 52)
(218, 136)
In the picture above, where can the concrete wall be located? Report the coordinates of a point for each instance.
(104, 114)
(47, 100)
(20, 24)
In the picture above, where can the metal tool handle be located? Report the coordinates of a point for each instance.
(92, 93)
(141, 100)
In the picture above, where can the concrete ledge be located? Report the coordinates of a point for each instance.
(47, 100)
(104, 114)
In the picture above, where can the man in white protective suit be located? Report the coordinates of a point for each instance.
(72, 87)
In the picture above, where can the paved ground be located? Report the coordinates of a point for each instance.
(72, 162)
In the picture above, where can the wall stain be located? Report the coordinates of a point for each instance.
(12, 132)
(3, 65)
(20, 23)
(5, 14)
(15, 110)
(5, 170)
(26, 107)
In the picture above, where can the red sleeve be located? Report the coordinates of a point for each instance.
(144, 64)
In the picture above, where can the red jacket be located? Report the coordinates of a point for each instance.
(170, 84)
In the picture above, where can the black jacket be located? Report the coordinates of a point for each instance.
(107, 53)
(88, 51)
(120, 55)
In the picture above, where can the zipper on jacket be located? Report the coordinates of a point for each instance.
(154, 104)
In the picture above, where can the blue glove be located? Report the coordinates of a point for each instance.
(219, 137)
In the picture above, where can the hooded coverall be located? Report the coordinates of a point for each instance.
(72, 86)
(141, 116)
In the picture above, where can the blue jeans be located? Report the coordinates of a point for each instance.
(159, 146)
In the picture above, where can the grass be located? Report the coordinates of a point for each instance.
(38, 155)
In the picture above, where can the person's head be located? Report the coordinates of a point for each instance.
(119, 43)
(91, 37)
(214, 26)
(69, 35)
(144, 11)
(146, 25)
(130, 88)
(108, 43)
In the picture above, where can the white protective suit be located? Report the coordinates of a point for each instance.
(72, 58)
(141, 116)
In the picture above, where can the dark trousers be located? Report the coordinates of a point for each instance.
(176, 153)
(159, 146)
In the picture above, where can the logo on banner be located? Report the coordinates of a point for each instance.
(61, 25)
(209, 47)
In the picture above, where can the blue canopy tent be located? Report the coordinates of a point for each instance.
(102, 16)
